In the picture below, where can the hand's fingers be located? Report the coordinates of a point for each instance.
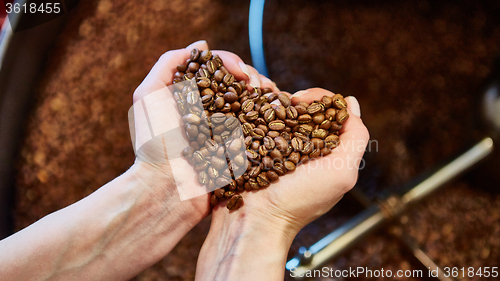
(310, 95)
(200, 45)
(254, 78)
(234, 65)
(268, 83)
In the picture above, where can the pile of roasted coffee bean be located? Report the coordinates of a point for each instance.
(244, 138)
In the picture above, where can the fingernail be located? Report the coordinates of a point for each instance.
(354, 106)
(196, 43)
(300, 93)
(254, 81)
(244, 68)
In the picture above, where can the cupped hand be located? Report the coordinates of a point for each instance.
(313, 188)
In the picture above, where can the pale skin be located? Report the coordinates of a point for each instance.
(135, 220)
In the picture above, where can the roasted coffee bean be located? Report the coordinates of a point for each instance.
(318, 143)
(267, 162)
(218, 118)
(272, 97)
(192, 98)
(218, 163)
(188, 76)
(277, 125)
(318, 118)
(207, 92)
(203, 82)
(191, 131)
(332, 141)
(258, 134)
(304, 118)
(279, 169)
(237, 87)
(195, 145)
(203, 177)
(218, 76)
(301, 110)
(221, 153)
(276, 155)
(198, 157)
(222, 182)
(280, 112)
(248, 141)
(281, 143)
(230, 97)
(253, 183)
(308, 148)
(205, 56)
(266, 90)
(291, 112)
(303, 159)
(305, 129)
(240, 180)
(331, 114)
(252, 115)
(207, 100)
(297, 144)
(247, 128)
(319, 133)
(342, 116)
(217, 61)
(268, 143)
(269, 115)
(272, 176)
(254, 171)
(235, 202)
(219, 193)
(262, 127)
(193, 67)
(181, 67)
(289, 165)
(294, 157)
(179, 74)
(235, 147)
(301, 136)
(235, 106)
(195, 54)
(238, 160)
(211, 146)
(214, 200)
(263, 151)
(335, 126)
(212, 172)
(228, 79)
(284, 100)
(247, 106)
(273, 134)
(290, 123)
(193, 119)
(314, 108)
(219, 129)
(231, 123)
(325, 125)
(262, 180)
(252, 156)
(204, 129)
(315, 153)
(229, 194)
(188, 152)
(327, 101)
(201, 166)
(325, 151)
(265, 107)
(339, 101)
(203, 72)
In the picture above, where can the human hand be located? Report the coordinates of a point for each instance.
(270, 218)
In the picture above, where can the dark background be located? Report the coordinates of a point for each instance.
(417, 68)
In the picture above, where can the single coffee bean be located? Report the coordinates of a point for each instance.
(206, 100)
(281, 143)
(195, 54)
(247, 106)
(301, 110)
(240, 181)
(267, 162)
(305, 129)
(280, 112)
(291, 112)
(203, 178)
(339, 102)
(263, 151)
(195, 145)
(318, 118)
(276, 155)
(330, 114)
(277, 125)
(272, 97)
(252, 156)
(268, 143)
(327, 101)
(297, 144)
(332, 141)
(279, 169)
(207, 92)
(217, 61)
(211, 145)
(262, 127)
(235, 147)
(294, 157)
(254, 171)
(318, 143)
(284, 100)
(254, 185)
(252, 115)
(219, 129)
(188, 152)
(218, 163)
(273, 134)
(181, 67)
(272, 176)
(231, 123)
(290, 123)
(308, 148)
(214, 200)
(301, 136)
(235, 106)
(237, 87)
(269, 115)
(191, 131)
(258, 134)
(325, 125)
(319, 133)
(205, 56)
(342, 116)
(230, 97)
(212, 172)
(198, 157)
(248, 141)
(229, 194)
(315, 108)
(188, 76)
(303, 159)
(255, 145)
(239, 160)
(219, 193)
(315, 153)
(203, 72)
(193, 67)
(246, 128)
(325, 151)
(262, 180)
(235, 202)
(222, 181)
(218, 118)
(193, 119)
(228, 79)
(192, 98)
(304, 118)
(265, 107)
(218, 76)
(289, 165)
(335, 126)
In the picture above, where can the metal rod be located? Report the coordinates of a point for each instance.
(377, 214)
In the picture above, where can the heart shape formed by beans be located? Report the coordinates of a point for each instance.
(243, 138)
